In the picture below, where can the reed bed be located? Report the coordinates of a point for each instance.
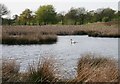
(89, 69)
(28, 39)
(100, 28)
(48, 33)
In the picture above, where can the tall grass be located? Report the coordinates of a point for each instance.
(92, 68)
(100, 28)
(45, 71)
(10, 71)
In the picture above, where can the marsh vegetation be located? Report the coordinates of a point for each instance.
(90, 68)
(48, 33)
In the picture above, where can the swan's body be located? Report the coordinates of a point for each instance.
(72, 42)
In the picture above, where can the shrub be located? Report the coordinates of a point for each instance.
(105, 19)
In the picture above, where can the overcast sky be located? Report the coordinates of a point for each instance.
(16, 7)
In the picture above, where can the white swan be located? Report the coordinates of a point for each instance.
(72, 42)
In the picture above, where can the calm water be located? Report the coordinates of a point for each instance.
(66, 53)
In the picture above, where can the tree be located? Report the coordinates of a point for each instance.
(46, 14)
(89, 18)
(108, 14)
(97, 15)
(76, 15)
(15, 19)
(3, 10)
(25, 17)
(117, 16)
(104, 14)
(81, 12)
(60, 18)
(72, 15)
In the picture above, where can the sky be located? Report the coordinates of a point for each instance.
(17, 6)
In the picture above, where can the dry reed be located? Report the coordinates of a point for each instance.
(90, 68)
(96, 69)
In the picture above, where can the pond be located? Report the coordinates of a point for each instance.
(65, 52)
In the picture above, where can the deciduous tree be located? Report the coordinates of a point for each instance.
(46, 15)
(25, 17)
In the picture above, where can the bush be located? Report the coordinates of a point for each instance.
(105, 19)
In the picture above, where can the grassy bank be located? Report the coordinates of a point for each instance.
(89, 69)
(48, 33)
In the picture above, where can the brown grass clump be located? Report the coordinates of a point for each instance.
(96, 69)
(10, 71)
(44, 71)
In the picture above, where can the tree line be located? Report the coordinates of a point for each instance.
(47, 14)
